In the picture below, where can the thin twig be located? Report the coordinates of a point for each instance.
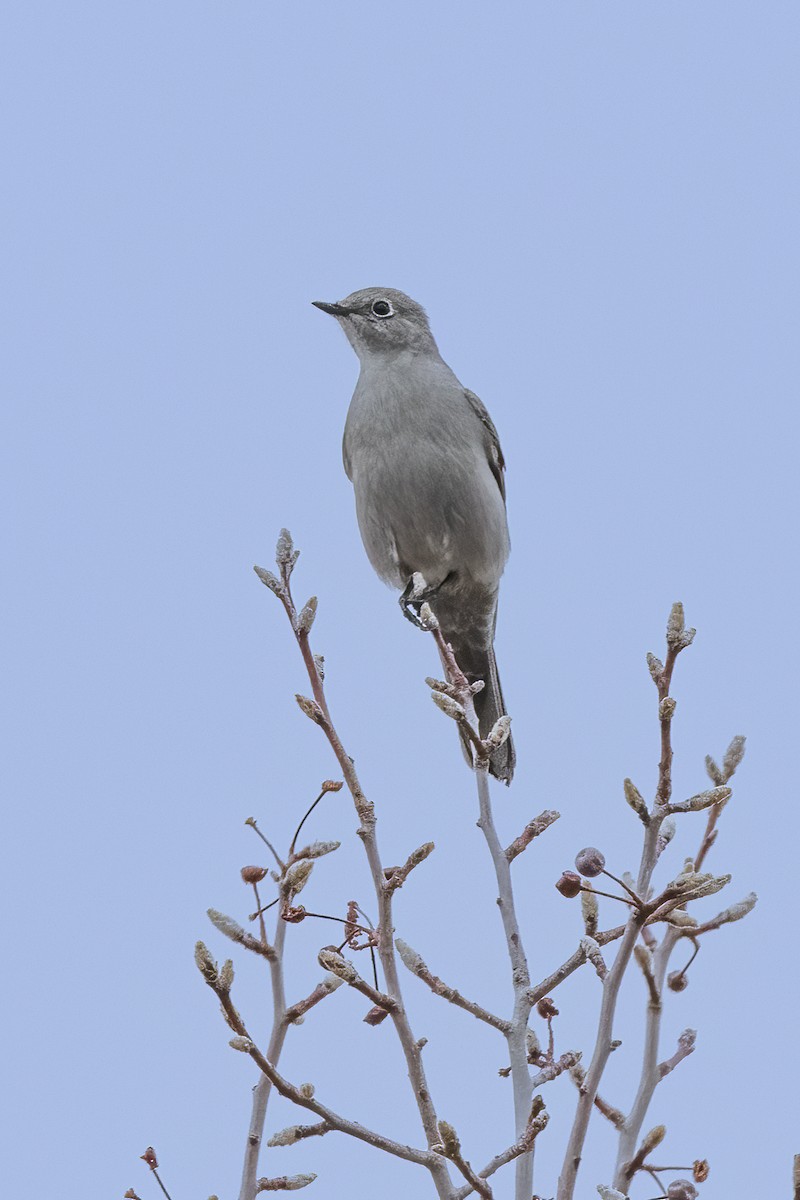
(415, 963)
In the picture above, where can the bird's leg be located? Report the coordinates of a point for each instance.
(415, 594)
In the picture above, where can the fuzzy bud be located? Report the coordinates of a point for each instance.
(666, 708)
(318, 849)
(717, 795)
(569, 884)
(636, 801)
(285, 554)
(590, 862)
(284, 1183)
(205, 963)
(681, 919)
(681, 1189)
(589, 910)
(331, 960)
(269, 580)
(297, 876)
(226, 925)
(609, 1193)
(499, 733)
(449, 706)
(319, 663)
(733, 756)
(307, 614)
(594, 955)
(254, 874)
(678, 636)
(226, 976)
(654, 1138)
(655, 667)
(311, 709)
(450, 1142)
(410, 959)
(713, 771)
(286, 1137)
(242, 1044)
(734, 913)
(644, 958)
(666, 833)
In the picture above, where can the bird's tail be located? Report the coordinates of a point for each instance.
(477, 661)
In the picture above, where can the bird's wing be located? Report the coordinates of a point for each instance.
(496, 460)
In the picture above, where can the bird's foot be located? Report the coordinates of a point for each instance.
(415, 594)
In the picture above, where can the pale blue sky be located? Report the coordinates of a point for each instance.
(598, 206)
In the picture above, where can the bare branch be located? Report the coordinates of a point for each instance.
(367, 832)
(678, 637)
(416, 964)
(516, 1037)
(537, 1121)
(302, 1097)
(300, 1007)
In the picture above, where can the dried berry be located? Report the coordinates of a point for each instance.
(546, 1008)
(590, 862)
(677, 981)
(681, 1189)
(569, 884)
(254, 874)
(700, 1170)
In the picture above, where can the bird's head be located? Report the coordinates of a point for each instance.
(381, 321)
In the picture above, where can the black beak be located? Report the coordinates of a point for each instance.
(335, 310)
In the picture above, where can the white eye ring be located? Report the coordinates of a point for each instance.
(382, 309)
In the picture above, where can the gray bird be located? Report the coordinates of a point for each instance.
(426, 465)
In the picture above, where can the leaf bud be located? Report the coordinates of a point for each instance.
(307, 615)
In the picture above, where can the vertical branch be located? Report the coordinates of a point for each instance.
(516, 1033)
(263, 1087)
(677, 639)
(650, 1075)
(319, 712)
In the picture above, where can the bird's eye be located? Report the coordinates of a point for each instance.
(382, 308)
